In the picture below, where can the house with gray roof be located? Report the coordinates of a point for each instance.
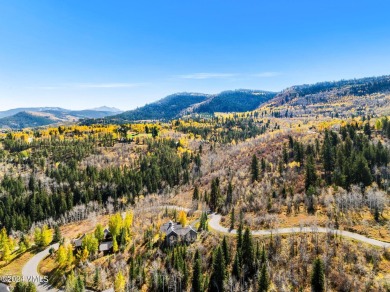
(77, 242)
(176, 233)
(106, 246)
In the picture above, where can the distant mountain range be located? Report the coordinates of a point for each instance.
(181, 104)
(302, 99)
(20, 118)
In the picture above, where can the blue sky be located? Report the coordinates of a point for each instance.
(83, 54)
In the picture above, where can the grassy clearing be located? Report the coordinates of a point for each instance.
(15, 266)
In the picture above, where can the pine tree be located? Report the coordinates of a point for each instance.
(255, 168)
(263, 258)
(232, 219)
(225, 250)
(218, 274)
(229, 194)
(367, 130)
(327, 157)
(247, 252)
(237, 264)
(96, 278)
(195, 195)
(310, 174)
(80, 287)
(318, 276)
(197, 274)
(361, 172)
(215, 194)
(57, 234)
(263, 279)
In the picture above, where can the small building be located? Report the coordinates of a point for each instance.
(78, 241)
(106, 246)
(176, 233)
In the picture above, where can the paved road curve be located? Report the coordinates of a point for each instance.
(216, 218)
(30, 270)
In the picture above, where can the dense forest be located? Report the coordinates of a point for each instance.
(258, 170)
(235, 101)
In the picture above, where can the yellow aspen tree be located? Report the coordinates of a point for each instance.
(62, 256)
(183, 218)
(120, 282)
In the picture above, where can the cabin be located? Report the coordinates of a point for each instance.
(176, 233)
(105, 246)
(78, 241)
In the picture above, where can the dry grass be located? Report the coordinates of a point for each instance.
(47, 266)
(15, 266)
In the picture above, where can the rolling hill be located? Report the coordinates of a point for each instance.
(36, 117)
(345, 98)
(181, 104)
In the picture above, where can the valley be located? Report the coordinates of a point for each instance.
(266, 192)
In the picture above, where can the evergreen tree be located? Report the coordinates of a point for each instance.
(57, 234)
(225, 250)
(197, 274)
(361, 172)
(195, 195)
(327, 156)
(229, 194)
(215, 194)
(255, 168)
(218, 273)
(318, 276)
(232, 219)
(80, 287)
(96, 278)
(311, 173)
(263, 279)
(248, 252)
(367, 130)
(203, 225)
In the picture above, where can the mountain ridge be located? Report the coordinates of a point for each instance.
(181, 104)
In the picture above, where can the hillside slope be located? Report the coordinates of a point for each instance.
(36, 117)
(345, 98)
(164, 109)
(26, 120)
(181, 104)
(235, 101)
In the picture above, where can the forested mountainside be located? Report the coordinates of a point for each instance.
(319, 92)
(257, 170)
(235, 101)
(182, 104)
(289, 196)
(164, 109)
(346, 98)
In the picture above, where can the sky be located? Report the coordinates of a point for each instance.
(124, 54)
